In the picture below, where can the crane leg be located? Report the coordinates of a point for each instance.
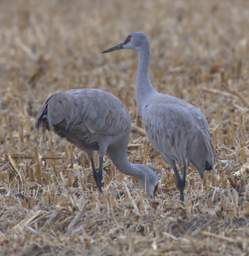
(180, 181)
(183, 182)
(102, 151)
(95, 174)
(100, 172)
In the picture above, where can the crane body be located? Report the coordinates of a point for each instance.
(175, 128)
(95, 120)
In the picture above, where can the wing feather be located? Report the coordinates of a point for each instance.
(167, 129)
(174, 127)
(99, 111)
(86, 117)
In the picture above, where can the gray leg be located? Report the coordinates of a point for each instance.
(100, 172)
(180, 182)
(201, 174)
(102, 151)
(183, 181)
(95, 174)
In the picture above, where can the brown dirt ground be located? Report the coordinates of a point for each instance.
(49, 202)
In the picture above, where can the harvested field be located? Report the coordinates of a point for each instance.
(49, 202)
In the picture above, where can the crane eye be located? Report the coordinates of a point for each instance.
(128, 39)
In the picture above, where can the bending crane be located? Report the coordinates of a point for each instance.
(95, 120)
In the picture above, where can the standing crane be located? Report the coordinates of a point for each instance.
(95, 120)
(175, 128)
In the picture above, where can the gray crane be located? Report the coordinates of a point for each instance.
(175, 128)
(95, 120)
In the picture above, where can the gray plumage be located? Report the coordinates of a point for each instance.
(95, 120)
(175, 128)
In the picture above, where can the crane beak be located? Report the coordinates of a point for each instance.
(114, 48)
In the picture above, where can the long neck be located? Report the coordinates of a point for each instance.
(144, 87)
(119, 157)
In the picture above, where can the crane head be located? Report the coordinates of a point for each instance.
(135, 41)
(149, 180)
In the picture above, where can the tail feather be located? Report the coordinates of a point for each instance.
(52, 113)
(208, 166)
(42, 117)
(201, 153)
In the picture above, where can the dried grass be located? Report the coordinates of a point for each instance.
(49, 202)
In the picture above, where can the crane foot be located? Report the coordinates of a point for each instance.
(182, 196)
